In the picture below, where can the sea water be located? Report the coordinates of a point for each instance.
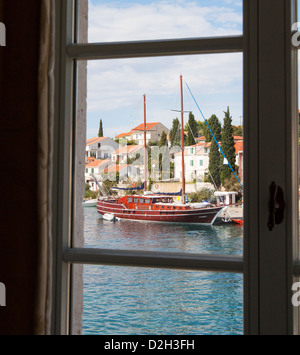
(142, 301)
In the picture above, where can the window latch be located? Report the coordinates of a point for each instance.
(276, 206)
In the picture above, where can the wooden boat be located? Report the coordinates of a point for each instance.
(160, 207)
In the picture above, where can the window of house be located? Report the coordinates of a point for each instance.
(201, 162)
(255, 263)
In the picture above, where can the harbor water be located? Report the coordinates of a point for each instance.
(144, 301)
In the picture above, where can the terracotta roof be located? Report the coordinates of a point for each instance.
(238, 147)
(95, 163)
(115, 168)
(128, 149)
(124, 135)
(141, 127)
(95, 140)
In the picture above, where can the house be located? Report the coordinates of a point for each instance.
(100, 147)
(153, 132)
(94, 169)
(126, 172)
(129, 152)
(196, 160)
(127, 136)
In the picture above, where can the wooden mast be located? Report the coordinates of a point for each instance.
(182, 141)
(145, 146)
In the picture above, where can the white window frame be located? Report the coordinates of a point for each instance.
(267, 275)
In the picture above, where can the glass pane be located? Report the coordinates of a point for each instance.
(137, 301)
(208, 218)
(111, 21)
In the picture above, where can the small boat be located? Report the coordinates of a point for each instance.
(89, 203)
(237, 221)
(109, 217)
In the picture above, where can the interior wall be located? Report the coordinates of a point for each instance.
(18, 146)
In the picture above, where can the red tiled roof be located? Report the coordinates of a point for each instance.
(141, 127)
(238, 147)
(128, 149)
(95, 163)
(115, 168)
(124, 135)
(94, 140)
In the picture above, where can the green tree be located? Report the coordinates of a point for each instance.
(216, 128)
(162, 143)
(201, 128)
(100, 132)
(227, 147)
(214, 165)
(192, 130)
(238, 131)
(163, 140)
(175, 133)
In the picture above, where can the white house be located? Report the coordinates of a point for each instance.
(196, 160)
(100, 147)
(153, 133)
(122, 154)
(94, 168)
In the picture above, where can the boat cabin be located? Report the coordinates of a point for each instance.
(150, 202)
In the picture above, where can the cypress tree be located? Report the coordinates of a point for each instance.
(192, 130)
(214, 164)
(215, 126)
(163, 140)
(100, 132)
(175, 133)
(227, 147)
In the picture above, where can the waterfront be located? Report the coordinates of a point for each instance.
(121, 300)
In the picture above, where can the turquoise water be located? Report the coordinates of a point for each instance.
(140, 301)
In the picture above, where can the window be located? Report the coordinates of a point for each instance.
(201, 162)
(265, 267)
(191, 162)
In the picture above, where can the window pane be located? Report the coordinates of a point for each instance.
(111, 21)
(115, 116)
(138, 301)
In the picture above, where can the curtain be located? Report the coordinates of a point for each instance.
(42, 315)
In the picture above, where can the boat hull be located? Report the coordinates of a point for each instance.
(200, 216)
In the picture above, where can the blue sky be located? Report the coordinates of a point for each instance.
(116, 87)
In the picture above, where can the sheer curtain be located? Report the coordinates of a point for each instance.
(45, 128)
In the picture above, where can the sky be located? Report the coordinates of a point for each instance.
(116, 87)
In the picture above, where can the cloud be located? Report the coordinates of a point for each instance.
(115, 87)
(160, 19)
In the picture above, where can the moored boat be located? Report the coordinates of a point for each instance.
(158, 208)
(89, 203)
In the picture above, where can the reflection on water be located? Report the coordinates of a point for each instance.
(121, 300)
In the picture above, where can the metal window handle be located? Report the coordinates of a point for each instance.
(276, 206)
